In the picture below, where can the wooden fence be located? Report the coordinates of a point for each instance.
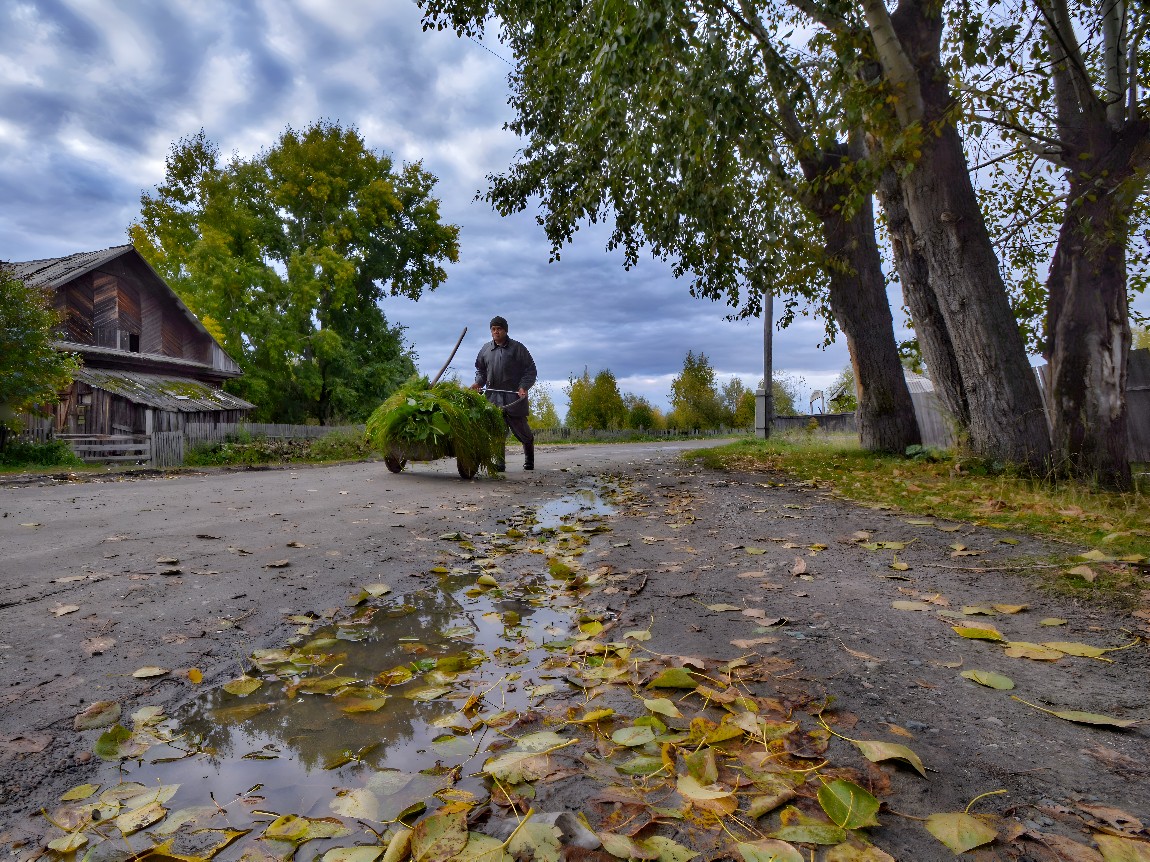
(196, 432)
(101, 448)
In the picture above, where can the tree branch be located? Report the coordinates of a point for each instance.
(1113, 15)
(1033, 142)
(900, 72)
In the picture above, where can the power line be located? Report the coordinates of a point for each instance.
(492, 53)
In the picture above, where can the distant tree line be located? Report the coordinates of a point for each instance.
(698, 402)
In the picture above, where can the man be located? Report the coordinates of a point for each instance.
(506, 369)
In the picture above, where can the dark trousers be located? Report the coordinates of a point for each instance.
(524, 434)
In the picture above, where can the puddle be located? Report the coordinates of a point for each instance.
(582, 505)
(370, 714)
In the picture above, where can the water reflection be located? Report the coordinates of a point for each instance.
(367, 716)
(300, 747)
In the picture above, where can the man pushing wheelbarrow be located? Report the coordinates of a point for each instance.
(505, 371)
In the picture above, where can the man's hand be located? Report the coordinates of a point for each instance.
(476, 386)
(521, 392)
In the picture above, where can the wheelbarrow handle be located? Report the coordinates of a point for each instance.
(504, 407)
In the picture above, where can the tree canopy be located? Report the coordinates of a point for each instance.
(642, 414)
(595, 402)
(543, 413)
(696, 402)
(288, 254)
(32, 372)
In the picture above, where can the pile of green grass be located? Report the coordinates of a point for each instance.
(423, 422)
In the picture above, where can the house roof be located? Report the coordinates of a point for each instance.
(179, 394)
(57, 271)
(92, 351)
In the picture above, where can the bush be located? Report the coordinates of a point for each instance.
(52, 454)
(246, 449)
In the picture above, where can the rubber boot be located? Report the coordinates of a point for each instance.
(528, 456)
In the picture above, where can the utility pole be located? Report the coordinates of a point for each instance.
(765, 397)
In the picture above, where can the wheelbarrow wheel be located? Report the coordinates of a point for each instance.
(394, 464)
(464, 471)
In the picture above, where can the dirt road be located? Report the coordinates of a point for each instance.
(186, 573)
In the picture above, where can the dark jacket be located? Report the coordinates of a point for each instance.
(508, 367)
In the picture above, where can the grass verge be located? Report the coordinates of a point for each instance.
(1114, 528)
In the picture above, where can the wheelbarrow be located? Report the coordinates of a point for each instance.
(398, 454)
(396, 459)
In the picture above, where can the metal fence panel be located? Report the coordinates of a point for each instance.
(935, 426)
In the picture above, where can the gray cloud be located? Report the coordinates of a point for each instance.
(92, 95)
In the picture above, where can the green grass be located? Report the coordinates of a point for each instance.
(20, 456)
(968, 489)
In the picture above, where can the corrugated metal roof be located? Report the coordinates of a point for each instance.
(54, 271)
(916, 382)
(180, 394)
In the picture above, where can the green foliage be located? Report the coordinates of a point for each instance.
(659, 143)
(919, 452)
(1005, 53)
(739, 402)
(595, 403)
(543, 413)
(642, 414)
(744, 415)
(695, 399)
(245, 449)
(52, 454)
(287, 256)
(1140, 338)
(424, 422)
(785, 393)
(841, 396)
(32, 372)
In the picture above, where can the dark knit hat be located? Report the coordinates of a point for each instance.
(498, 321)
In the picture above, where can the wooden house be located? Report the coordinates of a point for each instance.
(148, 363)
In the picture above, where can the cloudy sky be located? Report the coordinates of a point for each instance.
(94, 92)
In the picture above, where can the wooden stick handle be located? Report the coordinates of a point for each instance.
(452, 356)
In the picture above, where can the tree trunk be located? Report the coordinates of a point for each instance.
(858, 299)
(1088, 334)
(1006, 417)
(929, 324)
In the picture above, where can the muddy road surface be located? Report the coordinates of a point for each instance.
(296, 660)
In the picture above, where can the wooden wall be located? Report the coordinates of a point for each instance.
(76, 304)
(109, 413)
(122, 305)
